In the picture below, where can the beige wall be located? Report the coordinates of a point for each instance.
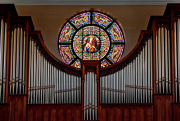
(49, 19)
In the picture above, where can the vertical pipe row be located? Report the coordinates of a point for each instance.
(177, 59)
(163, 82)
(133, 83)
(17, 62)
(90, 96)
(48, 84)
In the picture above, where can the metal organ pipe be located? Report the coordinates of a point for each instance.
(3, 44)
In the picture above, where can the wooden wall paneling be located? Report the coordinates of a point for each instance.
(54, 112)
(162, 107)
(4, 112)
(133, 114)
(176, 111)
(126, 112)
(17, 111)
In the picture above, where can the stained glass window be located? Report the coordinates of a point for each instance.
(91, 35)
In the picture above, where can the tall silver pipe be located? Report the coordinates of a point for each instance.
(100, 91)
(175, 53)
(23, 74)
(149, 71)
(11, 62)
(14, 61)
(17, 59)
(163, 59)
(75, 91)
(37, 76)
(29, 79)
(85, 97)
(35, 73)
(20, 59)
(96, 117)
(169, 56)
(47, 76)
(166, 62)
(146, 72)
(4, 61)
(160, 60)
(136, 79)
(79, 89)
(42, 77)
(106, 89)
(93, 99)
(109, 88)
(40, 82)
(1, 57)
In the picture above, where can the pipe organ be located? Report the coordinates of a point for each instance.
(133, 82)
(47, 83)
(35, 85)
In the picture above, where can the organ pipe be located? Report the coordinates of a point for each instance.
(3, 44)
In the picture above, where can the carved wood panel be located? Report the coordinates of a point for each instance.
(17, 107)
(176, 111)
(4, 112)
(126, 112)
(162, 107)
(54, 112)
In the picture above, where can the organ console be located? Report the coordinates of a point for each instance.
(35, 85)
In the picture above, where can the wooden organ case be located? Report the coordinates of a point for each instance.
(35, 85)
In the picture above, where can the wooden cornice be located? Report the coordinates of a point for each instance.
(23, 19)
(8, 8)
(157, 19)
(170, 8)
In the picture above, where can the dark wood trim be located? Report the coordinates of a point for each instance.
(172, 51)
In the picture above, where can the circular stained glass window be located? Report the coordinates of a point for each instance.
(91, 35)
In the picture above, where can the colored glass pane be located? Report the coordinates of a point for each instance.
(115, 53)
(81, 19)
(115, 33)
(66, 34)
(77, 64)
(66, 53)
(101, 19)
(104, 63)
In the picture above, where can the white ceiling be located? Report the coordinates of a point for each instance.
(89, 2)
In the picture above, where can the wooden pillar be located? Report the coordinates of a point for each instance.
(162, 107)
(95, 64)
(17, 110)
